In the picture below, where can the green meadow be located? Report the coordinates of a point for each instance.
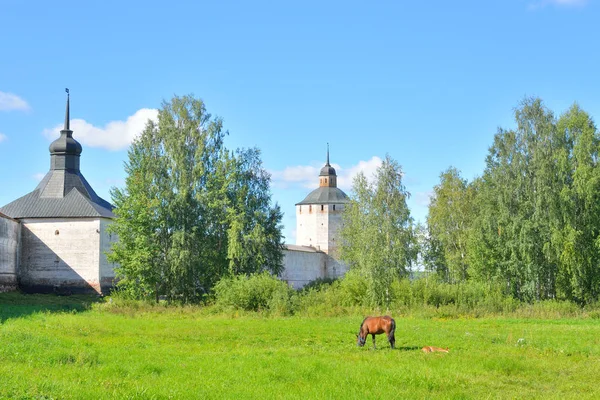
(79, 348)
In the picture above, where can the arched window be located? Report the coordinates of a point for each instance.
(321, 207)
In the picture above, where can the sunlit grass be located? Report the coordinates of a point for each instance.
(98, 351)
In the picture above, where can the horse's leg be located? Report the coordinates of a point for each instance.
(373, 340)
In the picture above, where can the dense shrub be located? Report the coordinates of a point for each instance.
(426, 297)
(353, 289)
(257, 292)
(318, 284)
(465, 297)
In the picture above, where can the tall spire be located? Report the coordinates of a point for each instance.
(65, 151)
(327, 176)
(67, 118)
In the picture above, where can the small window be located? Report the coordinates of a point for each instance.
(309, 208)
(334, 207)
(325, 180)
(300, 209)
(321, 207)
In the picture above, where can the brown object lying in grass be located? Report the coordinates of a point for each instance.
(431, 349)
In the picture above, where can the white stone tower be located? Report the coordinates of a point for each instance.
(63, 236)
(318, 216)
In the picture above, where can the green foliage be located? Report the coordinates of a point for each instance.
(448, 222)
(518, 202)
(531, 223)
(377, 233)
(254, 293)
(191, 211)
(318, 284)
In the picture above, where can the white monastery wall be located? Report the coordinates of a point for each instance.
(107, 269)
(10, 234)
(61, 253)
(302, 266)
(335, 268)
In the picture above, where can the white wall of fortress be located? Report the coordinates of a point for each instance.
(10, 234)
(303, 266)
(66, 254)
(107, 269)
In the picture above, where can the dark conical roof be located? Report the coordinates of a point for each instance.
(64, 192)
(325, 195)
(328, 192)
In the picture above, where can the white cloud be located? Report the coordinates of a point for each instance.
(116, 135)
(301, 175)
(345, 176)
(2, 138)
(9, 102)
(307, 176)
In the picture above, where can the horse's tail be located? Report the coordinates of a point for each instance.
(393, 327)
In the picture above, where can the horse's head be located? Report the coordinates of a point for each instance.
(360, 340)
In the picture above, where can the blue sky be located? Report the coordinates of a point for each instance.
(427, 82)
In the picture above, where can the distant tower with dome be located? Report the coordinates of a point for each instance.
(319, 215)
(318, 221)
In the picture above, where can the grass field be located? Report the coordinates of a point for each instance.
(69, 348)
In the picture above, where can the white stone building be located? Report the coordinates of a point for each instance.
(59, 229)
(318, 220)
(10, 235)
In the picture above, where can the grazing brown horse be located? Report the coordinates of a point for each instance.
(374, 326)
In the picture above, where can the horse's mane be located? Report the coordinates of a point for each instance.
(362, 323)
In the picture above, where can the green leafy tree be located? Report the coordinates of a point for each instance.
(576, 236)
(191, 211)
(516, 204)
(377, 233)
(448, 222)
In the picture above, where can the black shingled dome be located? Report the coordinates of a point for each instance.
(327, 170)
(65, 144)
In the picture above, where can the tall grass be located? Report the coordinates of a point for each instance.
(423, 297)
